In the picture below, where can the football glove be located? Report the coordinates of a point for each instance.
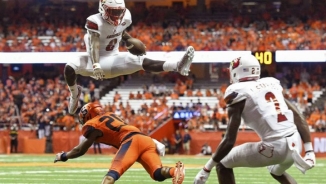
(310, 158)
(306, 163)
(60, 157)
(159, 147)
(97, 71)
(201, 177)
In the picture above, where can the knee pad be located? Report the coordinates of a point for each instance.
(114, 174)
(157, 176)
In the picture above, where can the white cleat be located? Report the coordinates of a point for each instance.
(73, 102)
(179, 173)
(184, 65)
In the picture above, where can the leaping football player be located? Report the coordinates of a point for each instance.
(104, 32)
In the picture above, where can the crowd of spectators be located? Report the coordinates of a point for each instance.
(263, 31)
(43, 101)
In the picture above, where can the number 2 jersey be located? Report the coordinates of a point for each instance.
(265, 110)
(110, 35)
(113, 129)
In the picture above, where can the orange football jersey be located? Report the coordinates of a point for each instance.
(112, 127)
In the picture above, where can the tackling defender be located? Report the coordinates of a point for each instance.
(278, 123)
(107, 128)
(105, 30)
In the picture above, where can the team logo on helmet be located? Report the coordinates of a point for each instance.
(84, 111)
(235, 63)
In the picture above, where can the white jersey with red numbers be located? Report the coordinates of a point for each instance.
(110, 35)
(113, 62)
(265, 110)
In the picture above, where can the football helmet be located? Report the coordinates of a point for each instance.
(89, 111)
(244, 68)
(112, 11)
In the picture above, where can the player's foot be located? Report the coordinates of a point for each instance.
(184, 64)
(179, 173)
(73, 102)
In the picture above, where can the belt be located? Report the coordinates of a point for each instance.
(130, 135)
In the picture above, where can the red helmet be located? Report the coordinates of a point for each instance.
(89, 111)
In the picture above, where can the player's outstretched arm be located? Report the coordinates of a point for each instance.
(234, 113)
(94, 45)
(300, 122)
(304, 132)
(79, 150)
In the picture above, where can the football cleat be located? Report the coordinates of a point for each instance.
(179, 173)
(73, 102)
(183, 66)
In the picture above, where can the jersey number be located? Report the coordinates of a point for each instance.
(110, 119)
(111, 45)
(270, 97)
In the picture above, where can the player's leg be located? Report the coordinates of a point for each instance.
(79, 66)
(257, 154)
(224, 175)
(126, 156)
(278, 171)
(153, 165)
(285, 178)
(181, 66)
(126, 63)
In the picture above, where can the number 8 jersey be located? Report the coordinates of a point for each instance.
(265, 110)
(113, 129)
(110, 35)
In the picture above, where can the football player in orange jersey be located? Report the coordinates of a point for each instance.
(108, 128)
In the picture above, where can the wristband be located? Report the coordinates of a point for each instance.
(308, 146)
(64, 157)
(210, 164)
(96, 65)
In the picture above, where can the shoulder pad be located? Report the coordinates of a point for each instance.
(234, 94)
(271, 79)
(91, 24)
(127, 18)
(87, 129)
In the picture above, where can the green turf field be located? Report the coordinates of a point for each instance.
(89, 169)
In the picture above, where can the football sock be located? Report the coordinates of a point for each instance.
(73, 91)
(170, 66)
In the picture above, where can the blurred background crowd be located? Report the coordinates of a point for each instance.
(33, 25)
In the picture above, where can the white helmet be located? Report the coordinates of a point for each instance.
(112, 11)
(244, 68)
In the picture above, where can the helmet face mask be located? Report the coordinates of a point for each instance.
(112, 11)
(244, 68)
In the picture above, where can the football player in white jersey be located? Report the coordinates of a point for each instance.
(104, 32)
(280, 126)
